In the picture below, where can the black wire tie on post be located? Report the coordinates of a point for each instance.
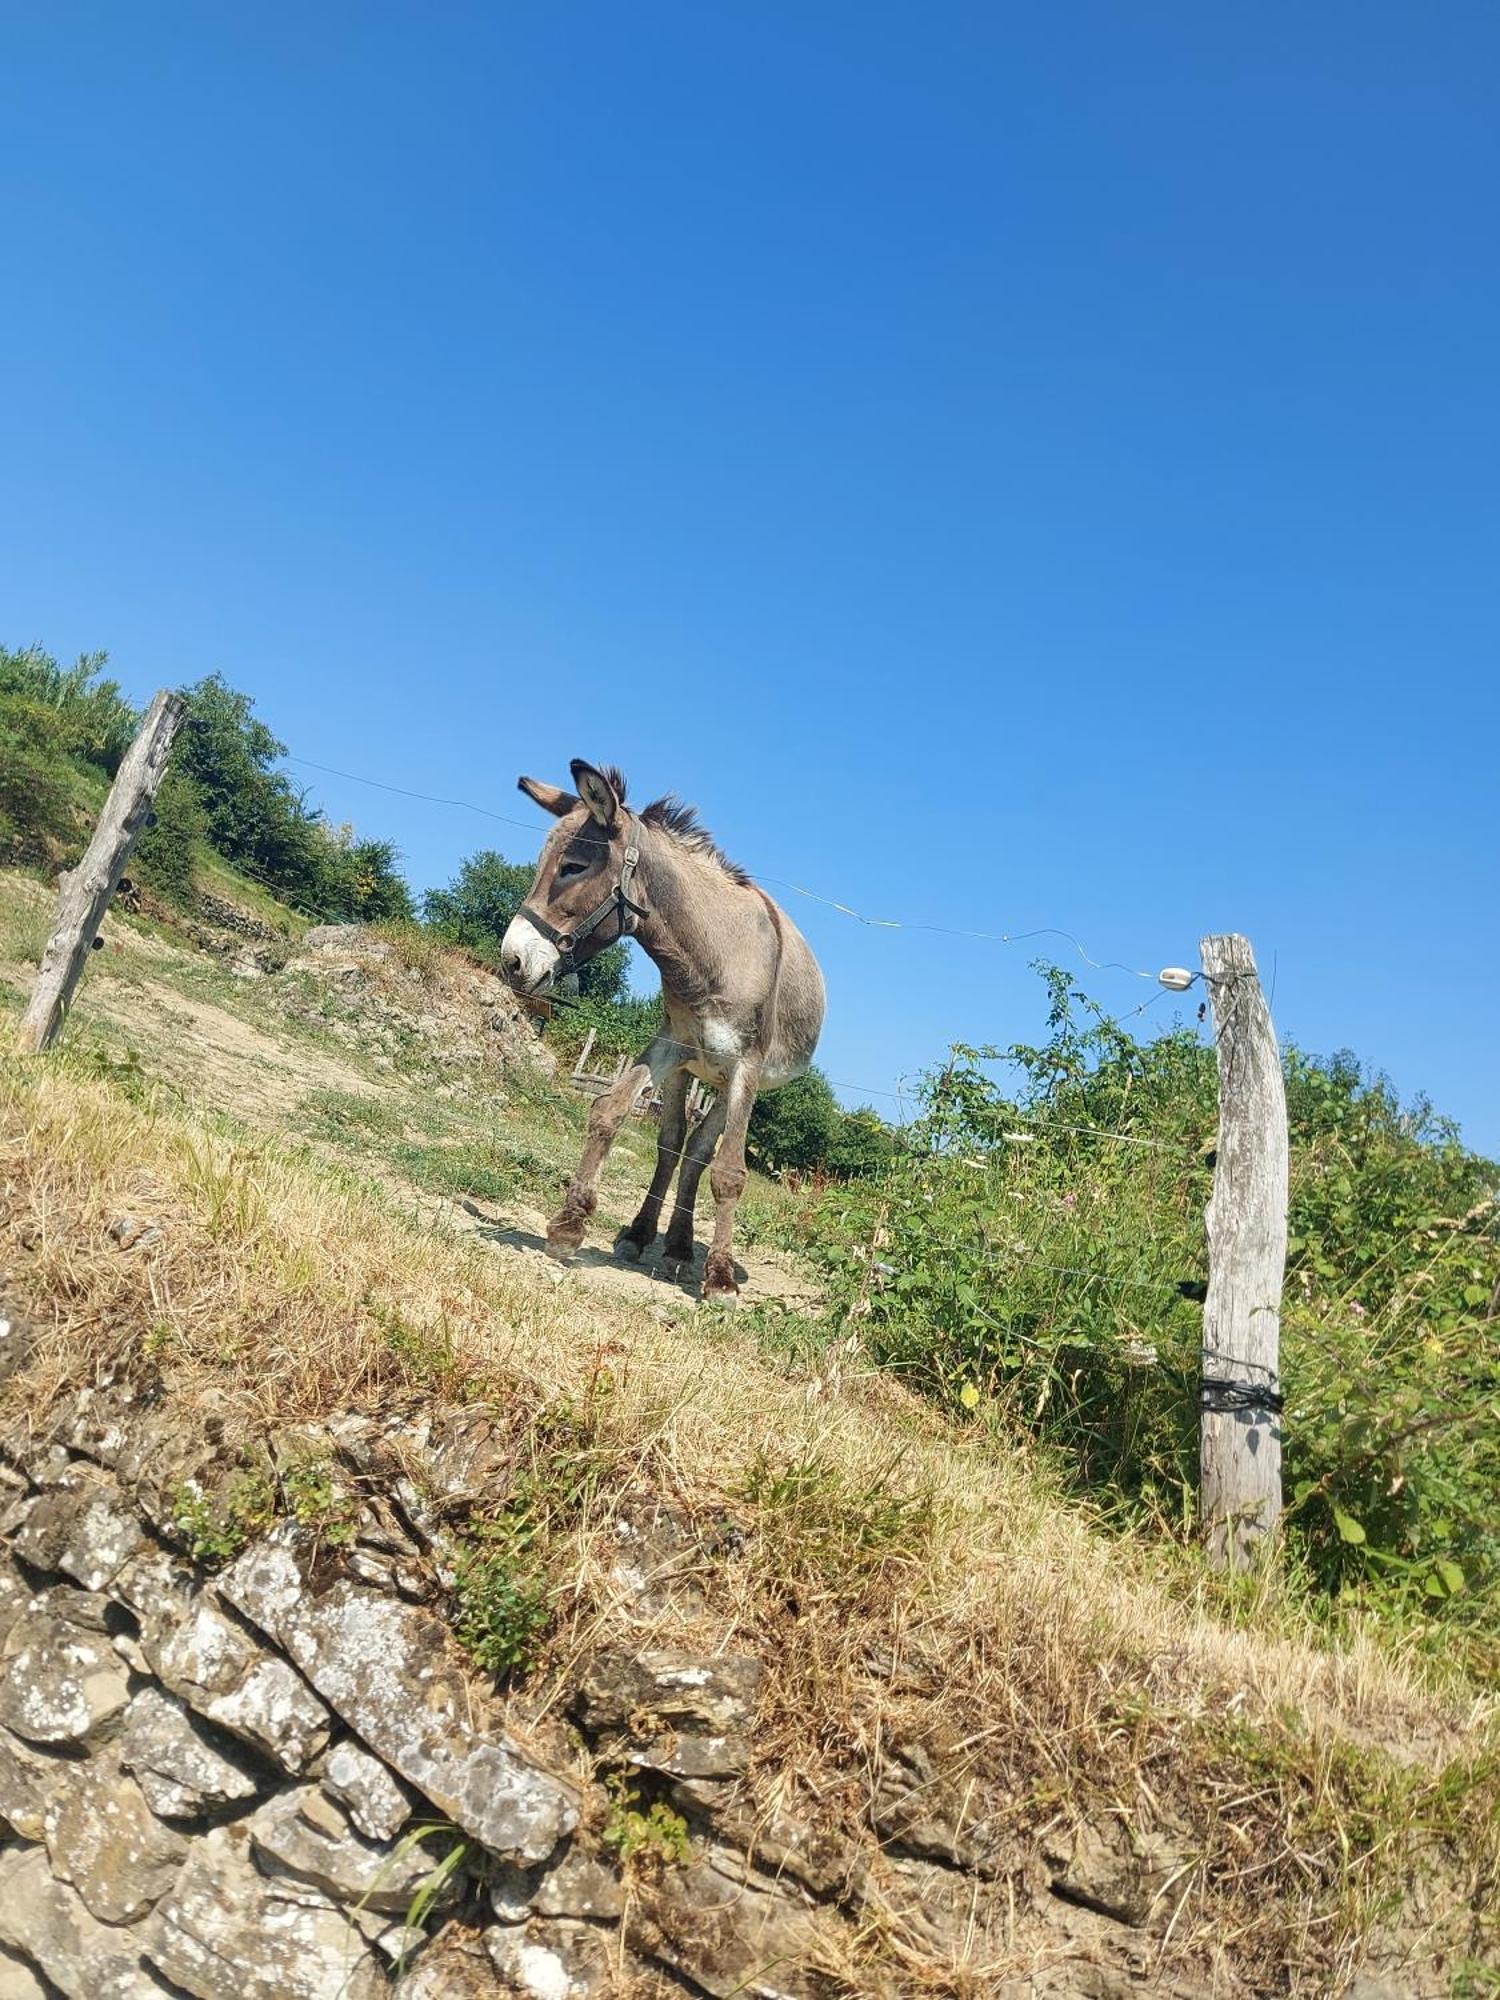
(1225, 1398)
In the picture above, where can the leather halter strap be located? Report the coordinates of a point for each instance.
(619, 900)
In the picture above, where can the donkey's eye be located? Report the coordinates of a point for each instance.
(572, 868)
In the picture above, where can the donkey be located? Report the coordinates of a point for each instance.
(742, 997)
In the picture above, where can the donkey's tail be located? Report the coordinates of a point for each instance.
(773, 997)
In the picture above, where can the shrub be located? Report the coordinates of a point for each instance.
(1041, 1256)
(165, 854)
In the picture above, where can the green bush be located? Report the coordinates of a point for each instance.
(795, 1125)
(166, 853)
(94, 720)
(1040, 1257)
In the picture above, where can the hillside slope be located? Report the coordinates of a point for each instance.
(808, 1691)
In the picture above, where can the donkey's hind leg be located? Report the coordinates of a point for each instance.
(728, 1181)
(700, 1150)
(565, 1230)
(634, 1241)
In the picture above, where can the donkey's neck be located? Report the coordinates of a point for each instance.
(678, 932)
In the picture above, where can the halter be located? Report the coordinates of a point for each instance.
(619, 900)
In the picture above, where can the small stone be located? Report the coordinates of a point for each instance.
(16, 1597)
(307, 1833)
(134, 1232)
(671, 1711)
(175, 1761)
(83, 1528)
(225, 1929)
(47, 1923)
(25, 1782)
(57, 1684)
(547, 1960)
(731, 1932)
(377, 1805)
(15, 1344)
(17, 1980)
(103, 1838)
(581, 1885)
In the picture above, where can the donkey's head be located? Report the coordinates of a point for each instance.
(581, 899)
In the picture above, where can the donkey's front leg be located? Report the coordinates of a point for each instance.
(637, 1237)
(565, 1230)
(727, 1179)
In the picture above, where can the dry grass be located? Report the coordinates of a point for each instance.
(904, 1581)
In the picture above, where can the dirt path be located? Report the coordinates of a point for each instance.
(218, 1058)
(765, 1276)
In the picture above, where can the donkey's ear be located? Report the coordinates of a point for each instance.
(598, 790)
(551, 798)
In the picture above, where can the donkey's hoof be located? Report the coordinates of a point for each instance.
(719, 1287)
(627, 1248)
(676, 1269)
(561, 1249)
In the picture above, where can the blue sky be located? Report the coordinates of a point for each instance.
(1011, 466)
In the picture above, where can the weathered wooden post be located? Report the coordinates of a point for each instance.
(86, 892)
(1240, 1395)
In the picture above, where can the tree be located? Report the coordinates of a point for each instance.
(257, 819)
(476, 909)
(795, 1125)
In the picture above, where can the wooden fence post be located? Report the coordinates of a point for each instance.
(85, 893)
(1240, 1397)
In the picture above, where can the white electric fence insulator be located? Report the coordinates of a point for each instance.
(1176, 978)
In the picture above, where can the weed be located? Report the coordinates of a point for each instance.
(640, 1833)
(818, 1522)
(217, 1524)
(500, 1600)
(311, 1494)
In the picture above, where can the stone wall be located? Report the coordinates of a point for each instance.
(279, 1777)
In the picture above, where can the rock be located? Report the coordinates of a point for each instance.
(936, 1811)
(778, 1844)
(1136, 1877)
(16, 1597)
(17, 1980)
(57, 1683)
(308, 1834)
(580, 1884)
(103, 1838)
(175, 1761)
(218, 1669)
(452, 1967)
(15, 1344)
(656, 1554)
(134, 1232)
(225, 1930)
(47, 1923)
(729, 1931)
(388, 1671)
(83, 1528)
(552, 1961)
(25, 1783)
(471, 1459)
(672, 1711)
(377, 1804)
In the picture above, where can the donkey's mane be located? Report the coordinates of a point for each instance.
(676, 817)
